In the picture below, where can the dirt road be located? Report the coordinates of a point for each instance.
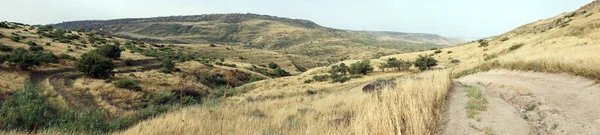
(527, 103)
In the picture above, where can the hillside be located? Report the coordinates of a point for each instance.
(564, 44)
(540, 78)
(295, 36)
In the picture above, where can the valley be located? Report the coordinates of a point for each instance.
(260, 74)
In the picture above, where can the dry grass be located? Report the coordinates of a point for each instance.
(411, 108)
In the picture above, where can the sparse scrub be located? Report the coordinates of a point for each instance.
(31, 43)
(483, 43)
(66, 56)
(490, 56)
(128, 84)
(36, 48)
(437, 51)
(504, 39)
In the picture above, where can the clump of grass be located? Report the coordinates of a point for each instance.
(531, 107)
(490, 56)
(554, 126)
(476, 102)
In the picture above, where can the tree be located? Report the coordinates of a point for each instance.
(399, 65)
(363, 67)
(342, 68)
(95, 65)
(273, 65)
(425, 62)
(383, 66)
(109, 51)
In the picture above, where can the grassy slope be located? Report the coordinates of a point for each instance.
(547, 46)
(284, 35)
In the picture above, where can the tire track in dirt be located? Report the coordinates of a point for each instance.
(550, 103)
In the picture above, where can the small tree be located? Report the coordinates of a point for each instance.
(399, 65)
(95, 65)
(342, 68)
(425, 62)
(109, 51)
(272, 65)
(363, 67)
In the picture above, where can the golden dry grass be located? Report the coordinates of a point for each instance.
(413, 107)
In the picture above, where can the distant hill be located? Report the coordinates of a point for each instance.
(294, 36)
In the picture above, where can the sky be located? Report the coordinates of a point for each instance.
(452, 18)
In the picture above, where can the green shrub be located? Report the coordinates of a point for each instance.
(93, 121)
(128, 62)
(165, 97)
(272, 65)
(341, 79)
(48, 44)
(394, 63)
(95, 65)
(45, 57)
(310, 92)
(362, 67)
(109, 51)
(504, 39)
(22, 58)
(449, 52)
(36, 48)
(425, 62)
(69, 50)
(31, 43)
(254, 79)
(5, 48)
(15, 38)
(128, 84)
(308, 81)
(167, 66)
(278, 72)
(26, 110)
(515, 47)
(483, 43)
(320, 78)
(437, 51)
(66, 56)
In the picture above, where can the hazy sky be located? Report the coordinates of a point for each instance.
(455, 18)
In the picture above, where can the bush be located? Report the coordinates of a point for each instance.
(128, 84)
(310, 92)
(490, 56)
(254, 79)
(273, 65)
(320, 78)
(455, 61)
(449, 52)
(483, 43)
(504, 39)
(437, 51)
(5, 48)
(167, 66)
(36, 48)
(90, 121)
(95, 65)
(45, 57)
(31, 43)
(48, 44)
(109, 51)
(212, 45)
(425, 62)
(66, 56)
(23, 59)
(341, 79)
(26, 109)
(515, 47)
(363, 67)
(15, 38)
(278, 72)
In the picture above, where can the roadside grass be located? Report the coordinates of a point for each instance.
(476, 102)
